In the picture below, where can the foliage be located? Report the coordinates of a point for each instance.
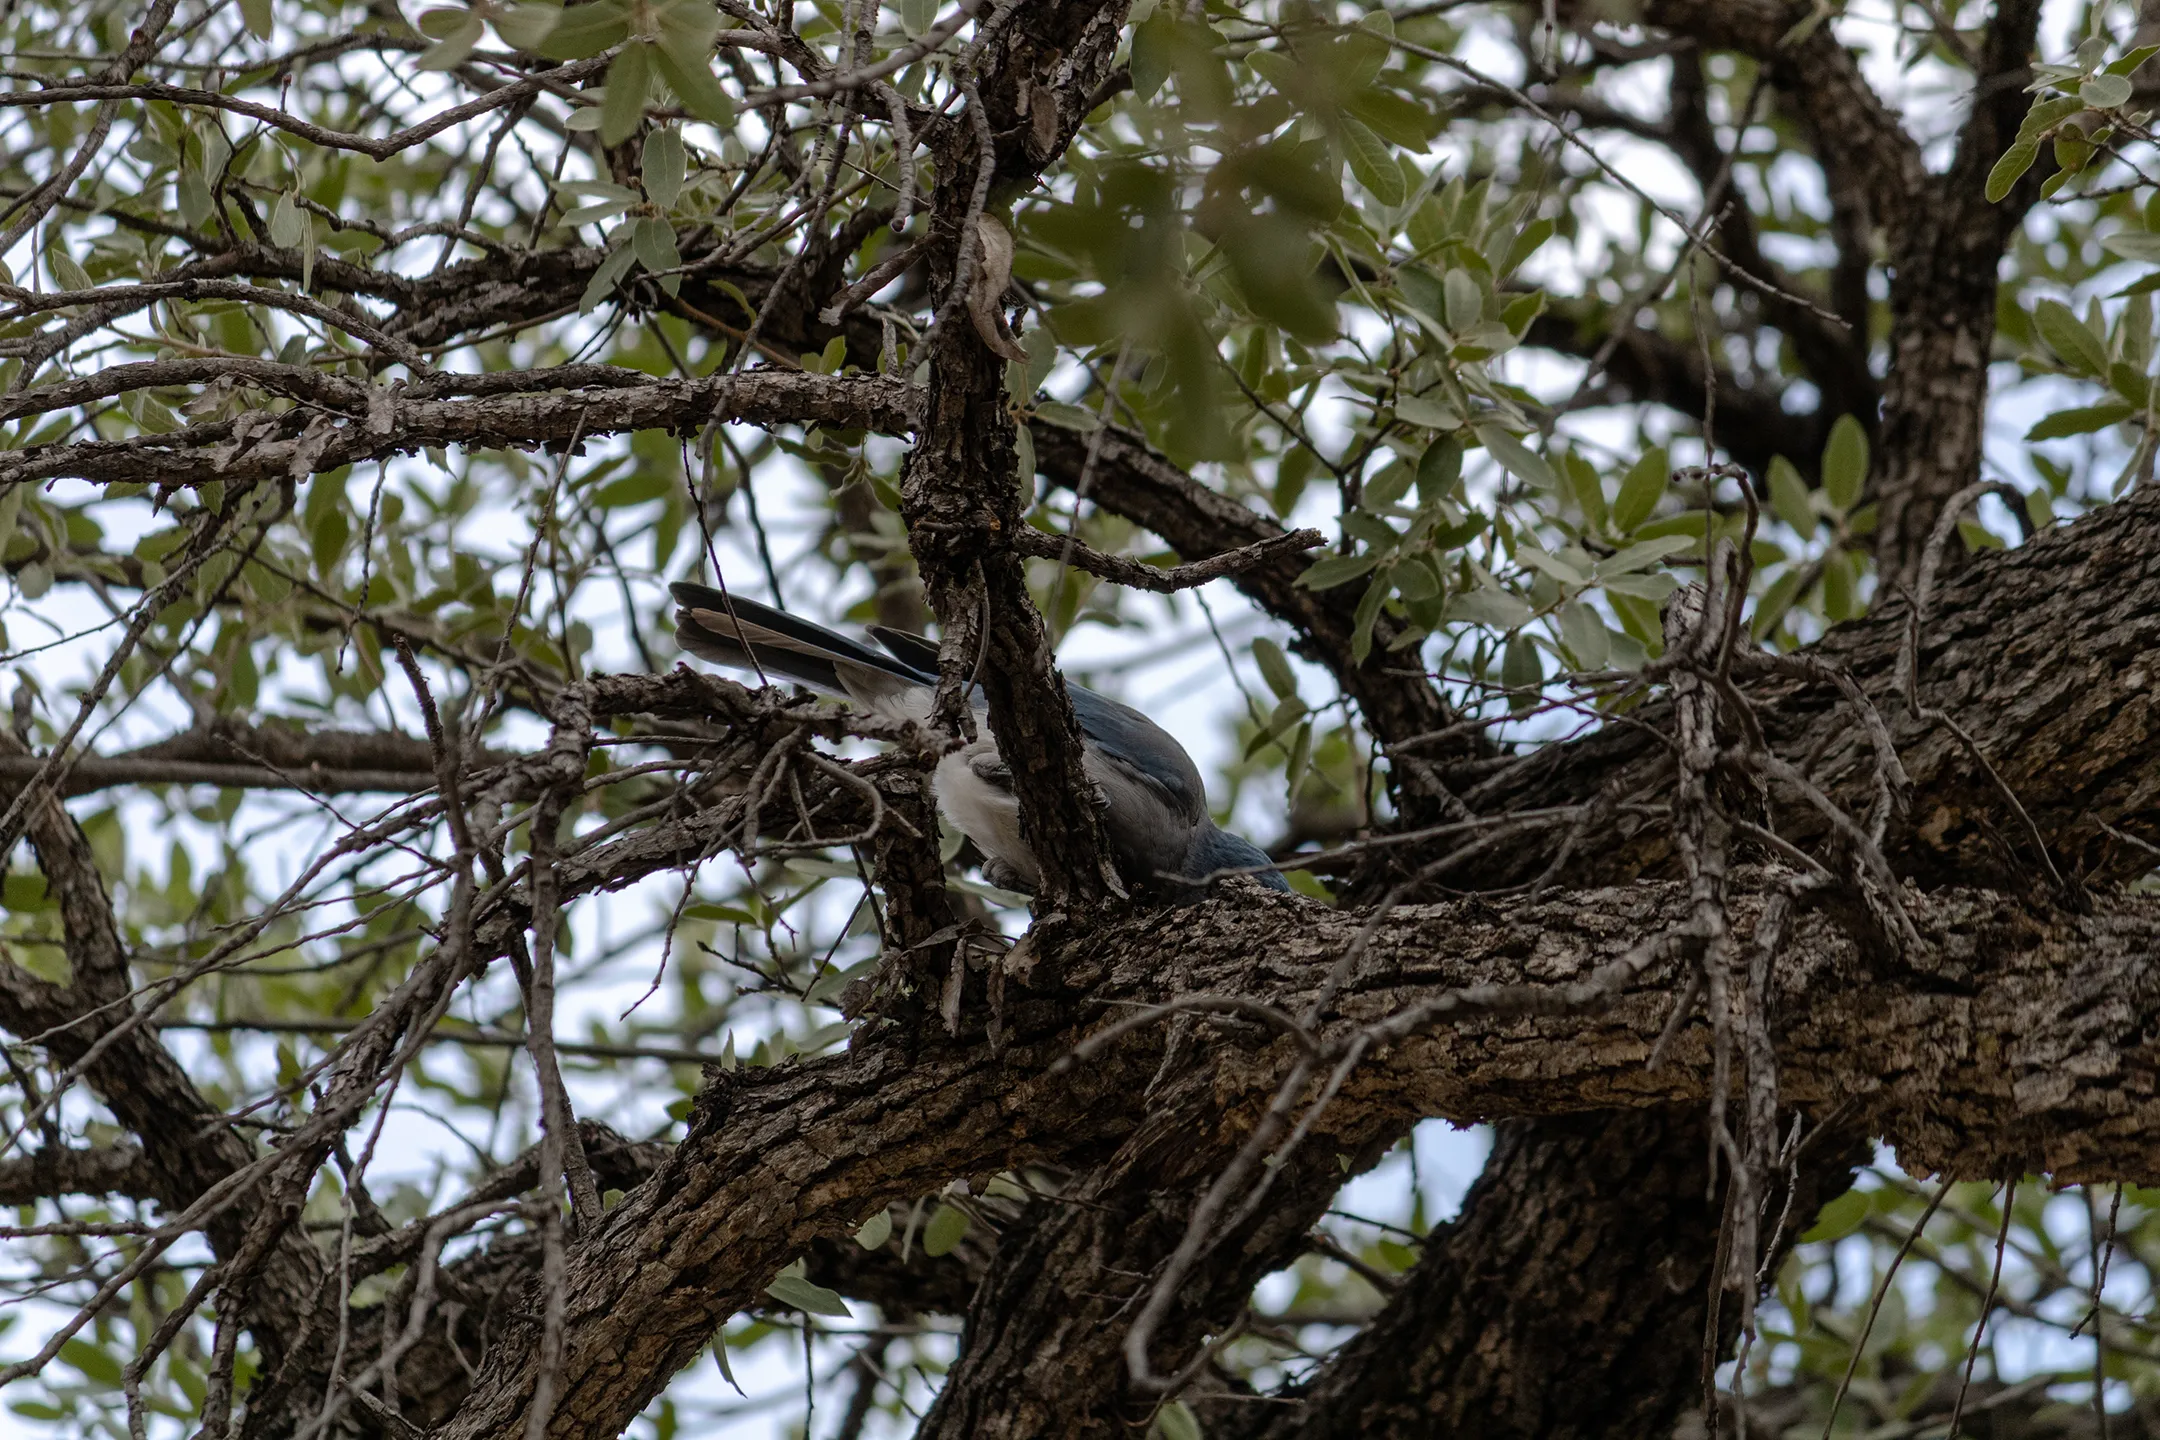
(1314, 254)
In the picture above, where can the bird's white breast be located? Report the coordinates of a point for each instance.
(981, 811)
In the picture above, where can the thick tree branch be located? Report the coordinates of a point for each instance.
(1854, 133)
(80, 1170)
(2011, 1041)
(1568, 1220)
(1753, 424)
(377, 423)
(187, 1146)
(2042, 653)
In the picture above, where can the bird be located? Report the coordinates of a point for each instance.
(1154, 805)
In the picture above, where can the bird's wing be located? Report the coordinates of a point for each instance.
(1138, 748)
(1214, 851)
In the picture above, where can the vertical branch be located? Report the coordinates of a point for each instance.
(562, 1151)
(963, 501)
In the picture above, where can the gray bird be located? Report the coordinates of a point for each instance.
(1154, 805)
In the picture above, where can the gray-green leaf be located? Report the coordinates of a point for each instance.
(286, 222)
(664, 166)
(790, 1288)
(1275, 668)
(875, 1231)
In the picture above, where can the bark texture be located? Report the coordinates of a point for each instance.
(1572, 1220)
(2011, 1042)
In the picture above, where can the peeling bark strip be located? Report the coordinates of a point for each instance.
(2016, 1042)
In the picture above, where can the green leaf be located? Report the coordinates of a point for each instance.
(66, 272)
(93, 1361)
(1372, 162)
(1331, 570)
(328, 534)
(1174, 1421)
(1560, 570)
(2046, 114)
(1588, 489)
(1394, 117)
(1844, 463)
(2082, 421)
(2068, 337)
(1839, 601)
(792, 1289)
(654, 241)
(640, 487)
(1154, 51)
(2106, 92)
(604, 278)
(584, 31)
(1439, 469)
(1641, 489)
(1374, 531)
(456, 45)
(1522, 669)
(1789, 496)
(629, 80)
(2139, 245)
(1427, 412)
(685, 66)
(1361, 625)
(2129, 61)
(2040, 507)
(255, 14)
(1526, 243)
(663, 166)
(1389, 486)
(1487, 606)
(1415, 580)
(1583, 631)
(1275, 668)
(1300, 759)
(1465, 305)
(1775, 602)
(1518, 459)
(595, 210)
(917, 16)
(287, 225)
(527, 27)
(875, 1231)
(1839, 1218)
(2011, 168)
(948, 1225)
(195, 200)
(1643, 554)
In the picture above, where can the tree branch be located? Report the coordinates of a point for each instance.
(2010, 1041)
(379, 423)
(1130, 479)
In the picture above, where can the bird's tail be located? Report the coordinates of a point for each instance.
(729, 630)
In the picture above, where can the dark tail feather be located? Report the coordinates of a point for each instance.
(918, 652)
(744, 635)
